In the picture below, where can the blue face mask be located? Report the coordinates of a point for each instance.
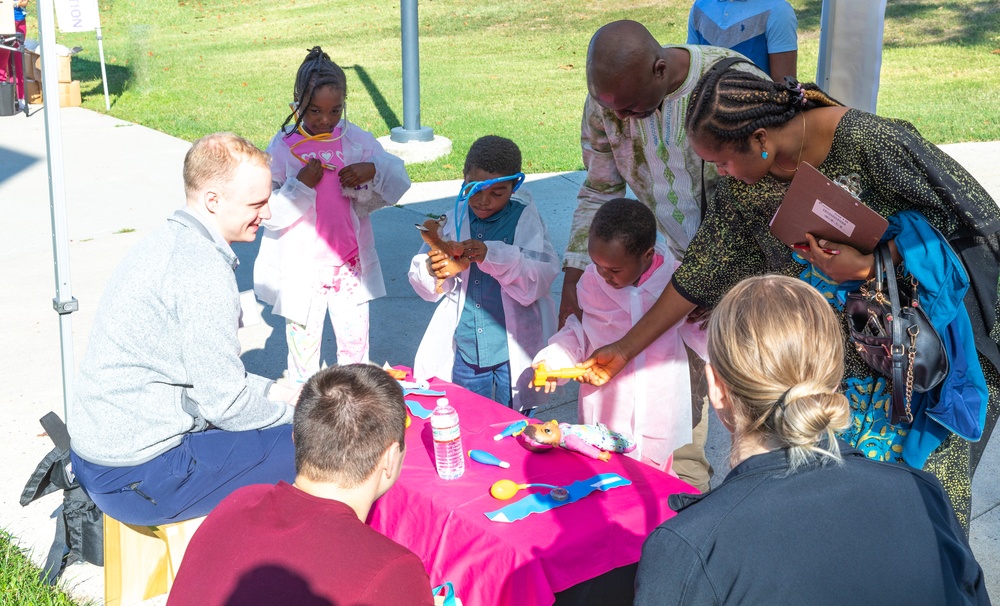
(474, 187)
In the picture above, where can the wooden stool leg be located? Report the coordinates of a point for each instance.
(176, 537)
(136, 566)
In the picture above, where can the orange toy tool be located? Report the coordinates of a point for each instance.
(399, 375)
(543, 374)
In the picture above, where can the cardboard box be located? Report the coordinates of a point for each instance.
(64, 62)
(69, 94)
(32, 66)
(33, 92)
(65, 71)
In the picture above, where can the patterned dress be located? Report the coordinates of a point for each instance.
(652, 156)
(899, 170)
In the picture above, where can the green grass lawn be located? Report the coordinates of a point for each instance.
(19, 582)
(507, 67)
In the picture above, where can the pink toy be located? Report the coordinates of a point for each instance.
(594, 441)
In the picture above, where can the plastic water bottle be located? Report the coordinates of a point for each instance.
(448, 455)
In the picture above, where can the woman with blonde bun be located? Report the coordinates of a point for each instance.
(800, 515)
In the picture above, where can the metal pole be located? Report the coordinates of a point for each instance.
(100, 51)
(826, 22)
(411, 129)
(63, 303)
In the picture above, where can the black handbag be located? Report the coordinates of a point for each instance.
(893, 335)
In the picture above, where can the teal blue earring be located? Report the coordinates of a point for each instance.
(763, 154)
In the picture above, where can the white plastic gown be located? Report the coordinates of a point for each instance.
(525, 271)
(650, 399)
(286, 272)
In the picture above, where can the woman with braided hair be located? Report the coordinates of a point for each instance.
(757, 133)
(798, 517)
(318, 254)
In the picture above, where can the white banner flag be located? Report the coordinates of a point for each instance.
(77, 15)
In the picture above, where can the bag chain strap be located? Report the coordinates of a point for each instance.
(878, 296)
(911, 356)
(911, 352)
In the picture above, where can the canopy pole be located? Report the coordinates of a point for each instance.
(64, 303)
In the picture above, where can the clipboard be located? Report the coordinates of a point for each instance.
(814, 204)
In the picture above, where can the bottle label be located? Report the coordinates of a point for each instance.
(445, 434)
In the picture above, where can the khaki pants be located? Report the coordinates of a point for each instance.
(690, 463)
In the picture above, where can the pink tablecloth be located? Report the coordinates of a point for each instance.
(524, 562)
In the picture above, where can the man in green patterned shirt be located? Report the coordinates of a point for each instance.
(633, 134)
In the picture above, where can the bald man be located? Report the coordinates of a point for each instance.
(633, 134)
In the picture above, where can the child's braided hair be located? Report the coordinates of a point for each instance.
(316, 71)
(728, 105)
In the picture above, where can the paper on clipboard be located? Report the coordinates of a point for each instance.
(814, 204)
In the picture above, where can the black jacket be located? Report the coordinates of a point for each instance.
(863, 532)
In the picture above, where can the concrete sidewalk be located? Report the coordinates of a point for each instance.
(122, 180)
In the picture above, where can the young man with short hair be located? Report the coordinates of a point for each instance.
(166, 420)
(307, 542)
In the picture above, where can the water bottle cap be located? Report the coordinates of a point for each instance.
(442, 401)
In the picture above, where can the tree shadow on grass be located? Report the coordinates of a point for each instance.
(89, 71)
(975, 23)
(388, 116)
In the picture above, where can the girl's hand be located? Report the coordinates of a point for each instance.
(550, 384)
(311, 173)
(475, 250)
(843, 263)
(603, 365)
(357, 174)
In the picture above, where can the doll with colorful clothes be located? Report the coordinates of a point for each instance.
(594, 441)
(650, 402)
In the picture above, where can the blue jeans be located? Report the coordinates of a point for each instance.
(189, 480)
(491, 382)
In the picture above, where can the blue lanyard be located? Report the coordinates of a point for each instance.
(474, 187)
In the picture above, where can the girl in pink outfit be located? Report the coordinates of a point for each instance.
(317, 254)
(650, 401)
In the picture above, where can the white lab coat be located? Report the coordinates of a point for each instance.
(525, 271)
(286, 271)
(650, 399)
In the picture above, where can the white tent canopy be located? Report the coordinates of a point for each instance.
(850, 51)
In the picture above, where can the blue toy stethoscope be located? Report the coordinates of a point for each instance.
(474, 187)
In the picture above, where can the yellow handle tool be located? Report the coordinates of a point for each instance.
(543, 374)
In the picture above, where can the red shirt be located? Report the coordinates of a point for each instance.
(272, 545)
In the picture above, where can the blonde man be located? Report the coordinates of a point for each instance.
(166, 421)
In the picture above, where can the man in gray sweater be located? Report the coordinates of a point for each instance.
(166, 421)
